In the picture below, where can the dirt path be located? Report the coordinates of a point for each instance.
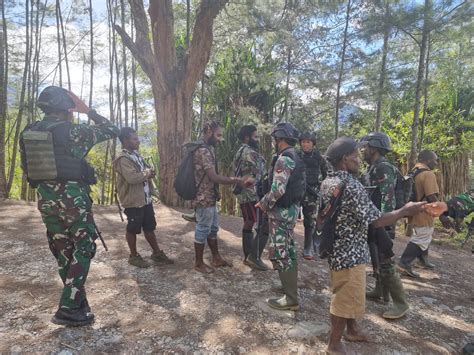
(174, 309)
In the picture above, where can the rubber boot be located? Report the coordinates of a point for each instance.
(254, 260)
(411, 252)
(72, 317)
(247, 239)
(424, 262)
(308, 244)
(379, 292)
(391, 281)
(289, 281)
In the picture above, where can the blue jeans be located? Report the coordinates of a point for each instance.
(207, 224)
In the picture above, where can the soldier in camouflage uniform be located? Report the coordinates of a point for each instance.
(282, 203)
(382, 176)
(249, 162)
(316, 171)
(64, 202)
(459, 207)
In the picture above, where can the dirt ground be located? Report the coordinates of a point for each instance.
(173, 309)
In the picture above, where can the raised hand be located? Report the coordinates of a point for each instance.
(80, 107)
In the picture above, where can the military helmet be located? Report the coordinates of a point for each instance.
(55, 97)
(378, 140)
(309, 136)
(285, 130)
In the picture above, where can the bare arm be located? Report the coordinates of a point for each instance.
(224, 180)
(410, 209)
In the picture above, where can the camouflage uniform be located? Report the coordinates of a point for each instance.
(383, 176)
(66, 210)
(252, 164)
(282, 221)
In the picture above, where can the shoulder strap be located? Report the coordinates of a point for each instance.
(239, 161)
(330, 208)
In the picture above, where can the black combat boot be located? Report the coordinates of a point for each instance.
(72, 317)
(423, 260)
(308, 251)
(254, 260)
(411, 252)
(247, 240)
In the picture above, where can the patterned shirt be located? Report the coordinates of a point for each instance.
(140, 162)
(352, 223)
(207, 194)
(252, 164)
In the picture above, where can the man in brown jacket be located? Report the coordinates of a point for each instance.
(135, 190)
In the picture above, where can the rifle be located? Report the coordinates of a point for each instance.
(100, 237)
(118, 206)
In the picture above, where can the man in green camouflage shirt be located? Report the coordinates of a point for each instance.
(282, 203)
(64, 202)
(249, 162)
(382, 177)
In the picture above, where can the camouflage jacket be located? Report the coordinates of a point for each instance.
(251, 163)
(82, 138)
(284, 166)
(383, 176)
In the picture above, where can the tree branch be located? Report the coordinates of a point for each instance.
(199, 52)
(141, 48)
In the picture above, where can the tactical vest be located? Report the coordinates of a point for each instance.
(296, 186)
(47, 154)
(312, 163)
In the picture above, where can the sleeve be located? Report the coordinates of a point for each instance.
(205, 159)
(251, 164)
(386, 180)
(127, 169)
(430, 185)
(364, 208)
(85, 136)
(281, 174)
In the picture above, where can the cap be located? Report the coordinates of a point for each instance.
(342, 146)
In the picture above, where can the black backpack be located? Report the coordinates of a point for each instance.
(408, 185)
(184, 182)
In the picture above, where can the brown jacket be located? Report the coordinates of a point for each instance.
(130, 182)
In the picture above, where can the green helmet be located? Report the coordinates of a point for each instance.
(56, 98)
(285, 130)
(378, 140)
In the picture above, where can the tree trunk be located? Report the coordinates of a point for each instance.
(425, 94)
(419, 84)
(172, 82)
(124, 63)
(21, 103)
(58, 38)
(91, 24)
(287, 85)
(383, 69)
(66, 61)
(341, 70)
(3, 100)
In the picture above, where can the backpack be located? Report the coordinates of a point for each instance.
(326, 221)
(408, 185)
(184, 182)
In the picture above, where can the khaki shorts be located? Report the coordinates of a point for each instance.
(348, 288)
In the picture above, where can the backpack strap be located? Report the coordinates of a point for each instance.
(417, 171)
(330, 209)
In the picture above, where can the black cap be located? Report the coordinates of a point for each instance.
(340, 147)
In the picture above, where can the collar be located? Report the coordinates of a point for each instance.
(421, 165)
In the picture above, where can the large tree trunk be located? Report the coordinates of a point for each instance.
(425, 94)
(383, 69)
(341, 70)
(171, 135)
(3, 101)
(172, 81)
(419, 84)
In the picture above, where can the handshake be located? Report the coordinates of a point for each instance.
(244, 181)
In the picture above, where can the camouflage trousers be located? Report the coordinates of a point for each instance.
(66, 209)
(282, 249)
(310, 206)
